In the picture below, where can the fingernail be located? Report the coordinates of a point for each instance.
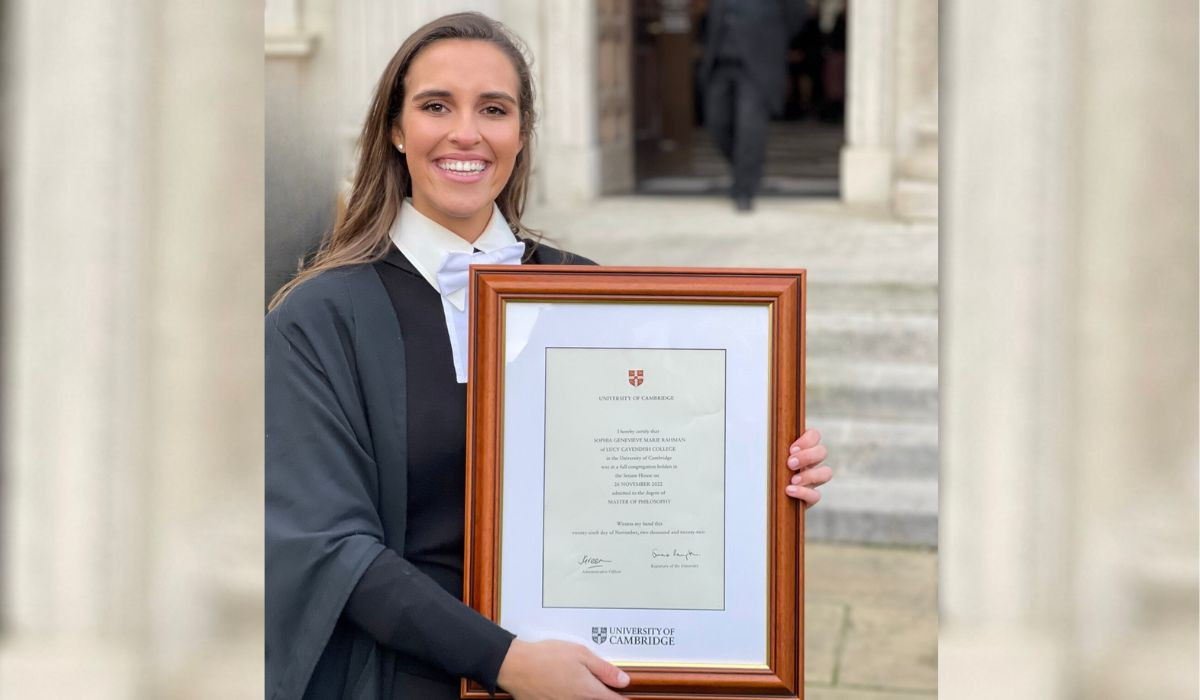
(795, 449)
(793, 490)
(793, 461)
(622, 677)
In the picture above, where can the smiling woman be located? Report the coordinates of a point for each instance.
(366, 397)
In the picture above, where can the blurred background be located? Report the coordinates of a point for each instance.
(1063, 429)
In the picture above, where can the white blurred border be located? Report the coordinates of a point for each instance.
(1069, 350)
(132, 234)
(132, 439)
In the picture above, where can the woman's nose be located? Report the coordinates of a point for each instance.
(466, 130)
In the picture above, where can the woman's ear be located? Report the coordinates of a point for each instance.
(398, 138)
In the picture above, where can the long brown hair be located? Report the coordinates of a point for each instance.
(382, 180)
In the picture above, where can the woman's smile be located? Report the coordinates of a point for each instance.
(463, 169)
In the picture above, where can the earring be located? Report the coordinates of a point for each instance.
(400, 146)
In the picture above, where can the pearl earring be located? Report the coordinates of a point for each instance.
(400, 146)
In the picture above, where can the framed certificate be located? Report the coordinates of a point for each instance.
(627, 435)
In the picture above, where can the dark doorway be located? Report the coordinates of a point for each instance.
(675, 153)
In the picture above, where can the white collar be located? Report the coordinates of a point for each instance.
(427, 243)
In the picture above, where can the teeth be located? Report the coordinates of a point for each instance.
(462, 166)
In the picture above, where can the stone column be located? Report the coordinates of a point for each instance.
(867, 158)
(1133, 602)
(76, 212)
(915, 190)
(132, 500)
(203, 400)
(614, 96)
(1069, 352)
(568, 142)
(1008, 231)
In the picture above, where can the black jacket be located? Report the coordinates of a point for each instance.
(336, 484)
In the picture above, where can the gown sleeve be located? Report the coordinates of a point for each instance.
(431, 625)
(323, 529)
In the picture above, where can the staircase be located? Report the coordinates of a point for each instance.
(872, 333)
(873, 394)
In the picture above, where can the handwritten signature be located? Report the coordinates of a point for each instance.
(686, 556)
(587, 561)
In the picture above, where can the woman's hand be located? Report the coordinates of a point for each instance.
(554, 670)
(807, 453)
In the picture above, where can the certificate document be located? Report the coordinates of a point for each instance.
(634, 506)
(627, 442)
(634, 499)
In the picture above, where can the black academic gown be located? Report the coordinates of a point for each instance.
(337, 495)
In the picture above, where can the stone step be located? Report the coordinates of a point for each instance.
(876, 511)
(873, 336)
(880, 297)
(872, 390)
(879, 449)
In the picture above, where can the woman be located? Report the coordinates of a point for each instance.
(366, 405)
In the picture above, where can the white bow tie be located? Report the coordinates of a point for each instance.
(454, 272)
(452, 282)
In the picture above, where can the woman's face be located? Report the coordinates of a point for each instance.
(460, 128)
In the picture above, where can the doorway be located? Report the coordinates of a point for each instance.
(674, 153)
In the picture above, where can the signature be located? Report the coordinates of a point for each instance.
(674, 553)
(587, 561)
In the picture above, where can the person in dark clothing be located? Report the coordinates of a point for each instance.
(365, 397)
(744, 70)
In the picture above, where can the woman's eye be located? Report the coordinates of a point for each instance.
(435, 107)
(495, 111)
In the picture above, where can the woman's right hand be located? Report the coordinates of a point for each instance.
(555, 670)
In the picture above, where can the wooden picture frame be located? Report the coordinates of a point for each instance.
(503, 299)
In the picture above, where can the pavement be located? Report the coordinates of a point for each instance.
(871, 622)
(836, 243)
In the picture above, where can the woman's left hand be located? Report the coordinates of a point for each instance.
(806, 455)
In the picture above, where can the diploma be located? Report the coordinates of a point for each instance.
(634, 478)
(627, 442)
